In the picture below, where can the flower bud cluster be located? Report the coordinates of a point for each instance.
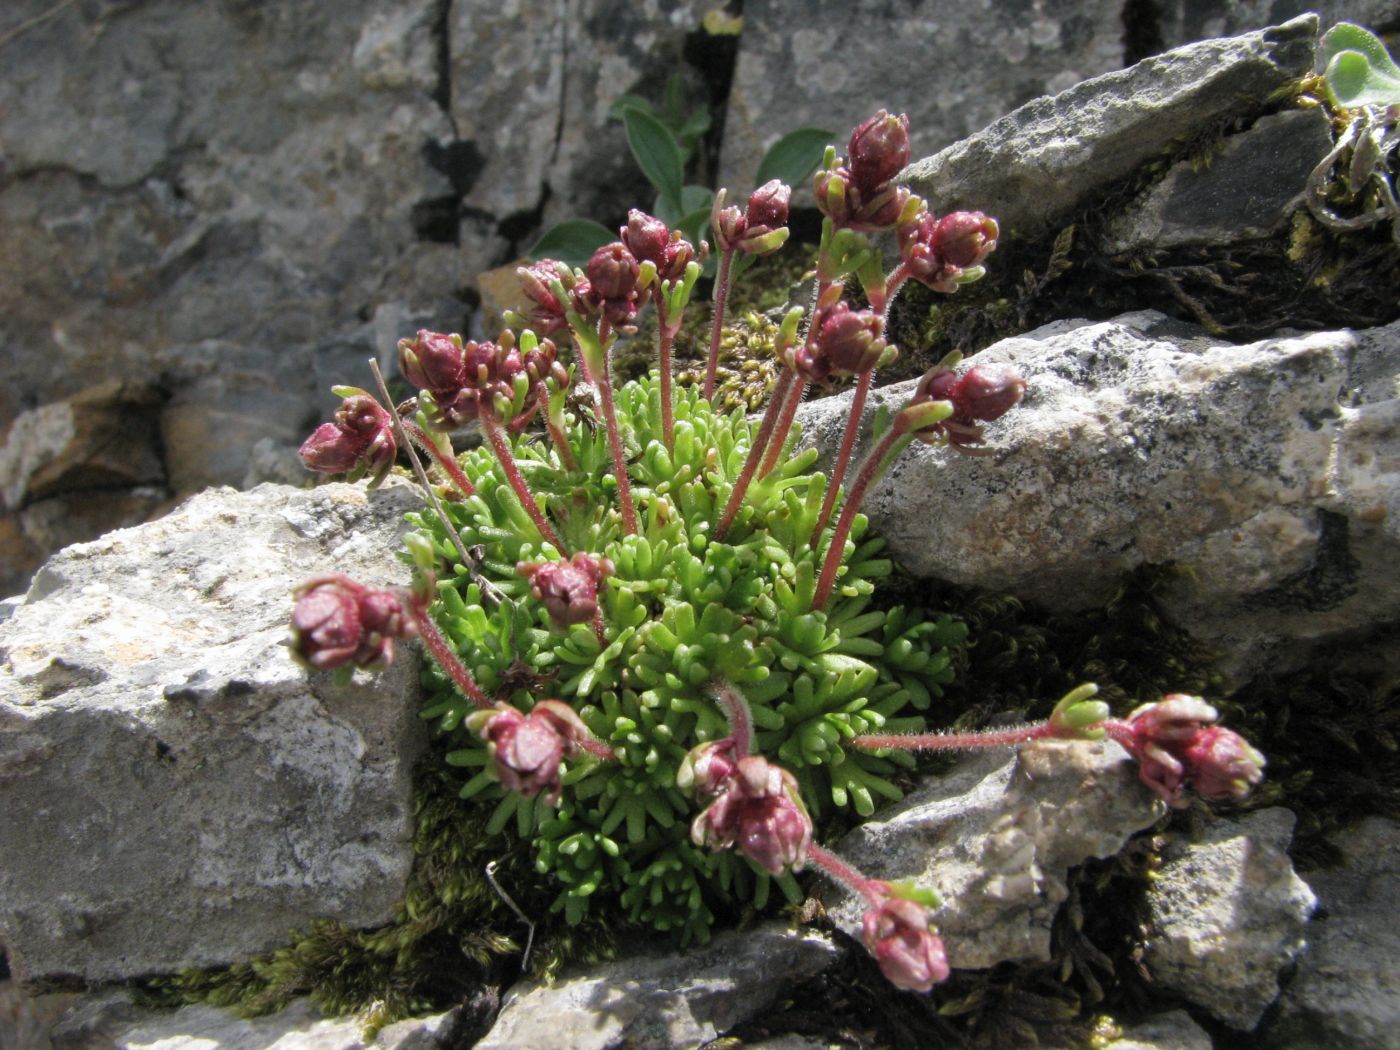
(528, 748)
(568, 588)
(983, 394)
(360, 440)
(1178, 748)
(860, 193)
(898, 933)
(463, 377)
(648, 239)
(756, 807)
(758, 230)
(337, 622)
(945, 253)
(841, 343)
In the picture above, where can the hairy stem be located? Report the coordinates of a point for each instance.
(492, 427)
(791, 402)
(871, 469)
(843, 457)
(740, 718)
(1013, 737)
(597, 748)
(760, 442)
(556, 432)
(448, 463)
(726, 260)
(666, 337)
(445, 657)
(873, 890)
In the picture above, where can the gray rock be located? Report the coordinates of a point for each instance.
(1173, 1030)
(111, 1022)
(1267, 471)
(1179, 22)
(983, 65)
(1035, 167)
(649, 1002)
(1247, 192)
(1347, 988)
(1227, 914)
(184, 792)
(995, 838)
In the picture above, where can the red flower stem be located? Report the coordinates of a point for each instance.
(447, 463)
(736, 711)
(401, 436)
(869, 471)
(492, 426)
(445, 658)
(843, 457)
(760, 442)
(603, 381)
(892, 285)
(556, 432)
(596, 748)
(956, 741)
(726, 260)
(1120, 732)
(791, 403)
(668, 411)
(598, 628)
(873, 890)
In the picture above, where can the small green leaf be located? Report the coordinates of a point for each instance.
(572, 242)
(620, 107)
(1359, 69)
(657, 153)
(794, 156)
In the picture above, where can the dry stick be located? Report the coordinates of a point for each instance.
(721, 298)
(760, 442)
(447, 463)
(843, 458)
(402, 435)
(868, 473)
(492, 427)
(791, 402)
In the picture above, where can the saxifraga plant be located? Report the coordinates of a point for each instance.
(654, 642)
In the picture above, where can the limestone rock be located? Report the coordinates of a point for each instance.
(1036, 166)
(1270, 473)
(829, 65)
(1228, 914)
(1248, 191)
(1178, 22)
(1347, 988)
(995, 838)
(655, 1002)
(185, 793)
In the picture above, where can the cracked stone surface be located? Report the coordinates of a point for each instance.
(1228, 914)
(185, 793)
(995, 837)
(1271, 470)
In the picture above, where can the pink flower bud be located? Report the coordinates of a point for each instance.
(911, 956)
(529, 748)
(768, 205)
(612, 272)
(758, 809)
(646, 237)
(878, 151)
(850, 207)
(337, 622)
(727, 223)
(850, 340)
(537, 280)
(1177, 747)
(965, 238)
(568, 588)
(361, 439)
(986, 393)
(432, 361)
(706, 768)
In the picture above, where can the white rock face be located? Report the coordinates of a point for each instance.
(996, 838)
(1228, 913)
(672, 1000)
(174, 790)
(1268, 473)
(1347, 988)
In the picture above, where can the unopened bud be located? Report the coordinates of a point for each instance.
(878, 151)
